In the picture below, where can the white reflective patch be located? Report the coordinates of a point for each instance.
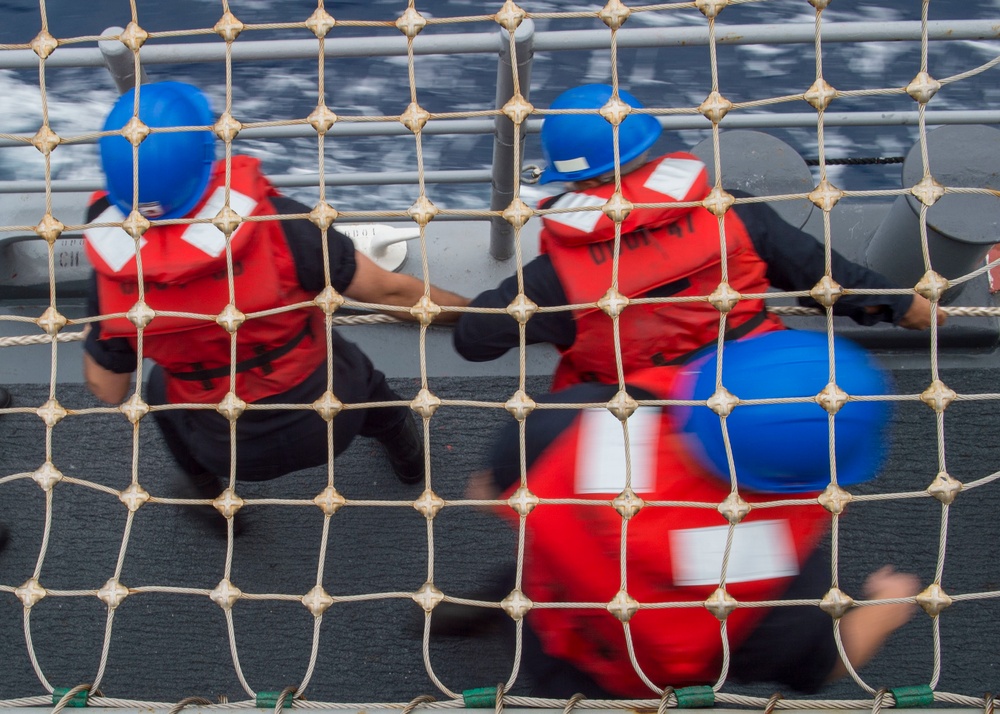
(114, 245)
(600, 455)
(674, 177)
(580, 220)
(570, 165)
(206, 236)
(761, 550)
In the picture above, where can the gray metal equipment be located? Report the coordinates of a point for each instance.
(502, 232)
(761, 165)
(961, 228)
(120, 62)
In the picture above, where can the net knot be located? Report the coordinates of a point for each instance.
(720, 603)
(429, 504)
(317, 601)
(834, 499)
(329, 500)
(227, 127)
(836, 603)
(52, 412)
(320, 22)
(51, 321)
(225, 594)
(411, 22)
(49, 228)
(623, 606)
(228, 27)
(44, 44)
(45, 140)
(628, 503)
(133, 37)
(825, 195)
(945, 488)
(510, 16)
(734, 508)
(933, 599)
(715, 107)
(522, 501)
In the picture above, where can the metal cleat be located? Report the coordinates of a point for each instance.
(382, 244)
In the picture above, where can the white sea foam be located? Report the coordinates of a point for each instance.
(673, 77)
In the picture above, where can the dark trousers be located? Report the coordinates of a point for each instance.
(274, 443)
(791, 647)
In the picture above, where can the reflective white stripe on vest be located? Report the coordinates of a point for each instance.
(674, 177)
(112, 243)
(761, 550)
(600, 456)
(117, 248)
(583, 220)
(205, 236)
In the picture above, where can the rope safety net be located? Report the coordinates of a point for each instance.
(135, 491)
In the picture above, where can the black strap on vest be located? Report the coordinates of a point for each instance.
(262, 360)
(735, 333)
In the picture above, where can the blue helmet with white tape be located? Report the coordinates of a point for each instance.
(785, 447)
(581, 146)
(174, 167)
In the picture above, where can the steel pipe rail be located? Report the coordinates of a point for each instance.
(733, 120)
(279, 180)
(489, 42)
(505, 149)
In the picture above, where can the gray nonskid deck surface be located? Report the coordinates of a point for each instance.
(166, 647)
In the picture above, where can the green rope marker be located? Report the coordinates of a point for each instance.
(916, 695)
(480, 698)
(269, 700)
(77, 700)
(695, 697)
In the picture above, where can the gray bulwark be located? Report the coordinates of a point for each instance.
(961, 227)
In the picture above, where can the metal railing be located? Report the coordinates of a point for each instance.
(529, 42)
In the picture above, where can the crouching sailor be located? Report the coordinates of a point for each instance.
(275, 263)
(660, 574)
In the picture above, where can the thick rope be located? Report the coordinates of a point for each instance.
(354, 320)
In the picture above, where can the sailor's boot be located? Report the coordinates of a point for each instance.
(405, 449)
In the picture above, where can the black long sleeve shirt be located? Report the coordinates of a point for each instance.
(795, 261)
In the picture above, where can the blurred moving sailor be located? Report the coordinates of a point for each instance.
(279, 358)
(666, 251)
(675, 553)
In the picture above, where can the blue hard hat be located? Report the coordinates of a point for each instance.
(581, 146)
(785, 447)
(175, 167)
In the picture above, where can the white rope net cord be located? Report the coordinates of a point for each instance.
(109, 587)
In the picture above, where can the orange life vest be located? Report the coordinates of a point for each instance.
(665, 252)
(184, 270)
(674, 553)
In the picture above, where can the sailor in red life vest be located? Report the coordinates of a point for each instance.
(280, 358)
(674, 554)
(665, 252)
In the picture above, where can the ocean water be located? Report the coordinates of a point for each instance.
(78, 99)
